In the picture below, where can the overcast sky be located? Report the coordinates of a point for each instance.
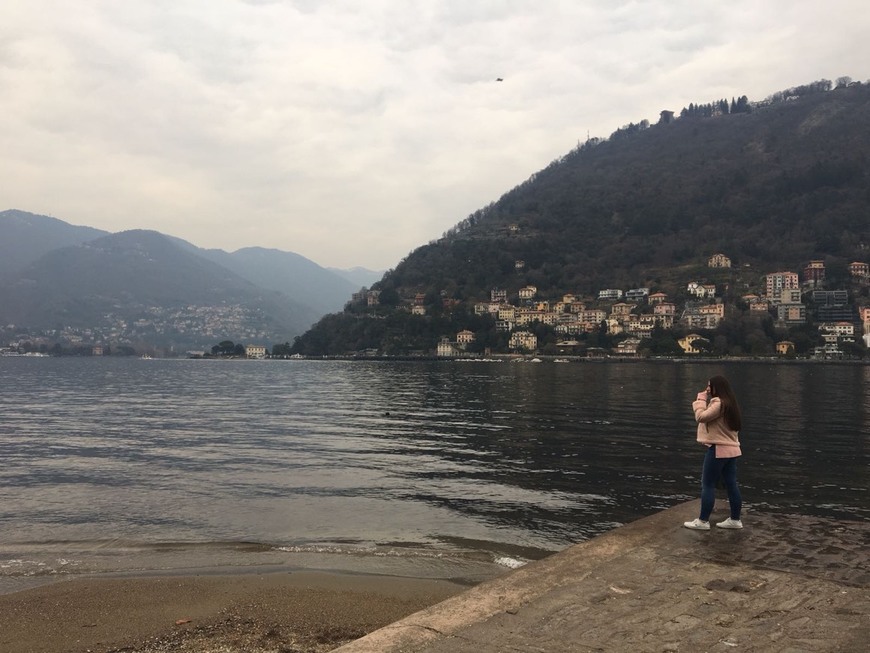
(352, 132)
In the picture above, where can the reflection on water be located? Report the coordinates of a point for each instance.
(450, 457)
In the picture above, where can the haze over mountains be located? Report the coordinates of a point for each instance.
(145, 287)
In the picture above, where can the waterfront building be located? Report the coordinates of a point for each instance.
(255, 351)
(523, 340)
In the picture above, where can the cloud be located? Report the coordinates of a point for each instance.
(349, 132)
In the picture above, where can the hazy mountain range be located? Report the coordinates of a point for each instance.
(57, 276)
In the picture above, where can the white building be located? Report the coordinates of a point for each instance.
(528, 292)
(255, 351)
(446, 348)
(523, 340)
(610, 293)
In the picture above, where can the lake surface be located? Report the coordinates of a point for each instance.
(441, 469)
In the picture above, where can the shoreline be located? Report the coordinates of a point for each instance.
(300, 611)
(649, 584)
(567, 358)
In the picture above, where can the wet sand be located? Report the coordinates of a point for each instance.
(290, 612)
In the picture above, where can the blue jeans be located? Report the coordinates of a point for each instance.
(714, 468)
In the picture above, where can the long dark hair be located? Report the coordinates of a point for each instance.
(719, 387)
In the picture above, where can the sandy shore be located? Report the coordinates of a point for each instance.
(292, 612)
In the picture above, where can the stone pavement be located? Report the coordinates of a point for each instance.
(782, 584)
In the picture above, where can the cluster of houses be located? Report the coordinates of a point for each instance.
(636, 312)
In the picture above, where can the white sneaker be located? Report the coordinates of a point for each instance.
(730, 523)
(697, 525)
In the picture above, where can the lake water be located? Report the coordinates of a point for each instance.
(439, 469)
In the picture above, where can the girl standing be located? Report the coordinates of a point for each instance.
(718, 416)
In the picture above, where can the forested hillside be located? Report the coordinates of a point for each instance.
(771, 184)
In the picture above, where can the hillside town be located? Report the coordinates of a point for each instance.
(632, 315)
(115, 334)
(630, 318)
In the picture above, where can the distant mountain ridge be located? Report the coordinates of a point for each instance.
(359, 276)
(59, 276)
(27, 236)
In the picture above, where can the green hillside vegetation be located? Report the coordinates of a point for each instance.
(772, 185)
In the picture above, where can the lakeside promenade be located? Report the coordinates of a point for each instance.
(782, 584)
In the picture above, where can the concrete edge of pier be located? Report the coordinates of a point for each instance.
(782, 583)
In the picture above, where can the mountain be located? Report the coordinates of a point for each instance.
(27, 236)
(321, 290)
(140, 286)
(359, 277)
(772, 185)
(148, 288)
(57, 275)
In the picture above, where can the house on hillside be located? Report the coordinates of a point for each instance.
(528, 293)
(814, 274)
(636, 294)
(715, 313)
(665, 308)
(859, 270)
(464, 338)
(701, 290)
(610, 294)
(718, 261)
(777, 282)
(791, 314)
(641, 326)
(507, 312)
(759, 305)
(694, 317)
(622, 309)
